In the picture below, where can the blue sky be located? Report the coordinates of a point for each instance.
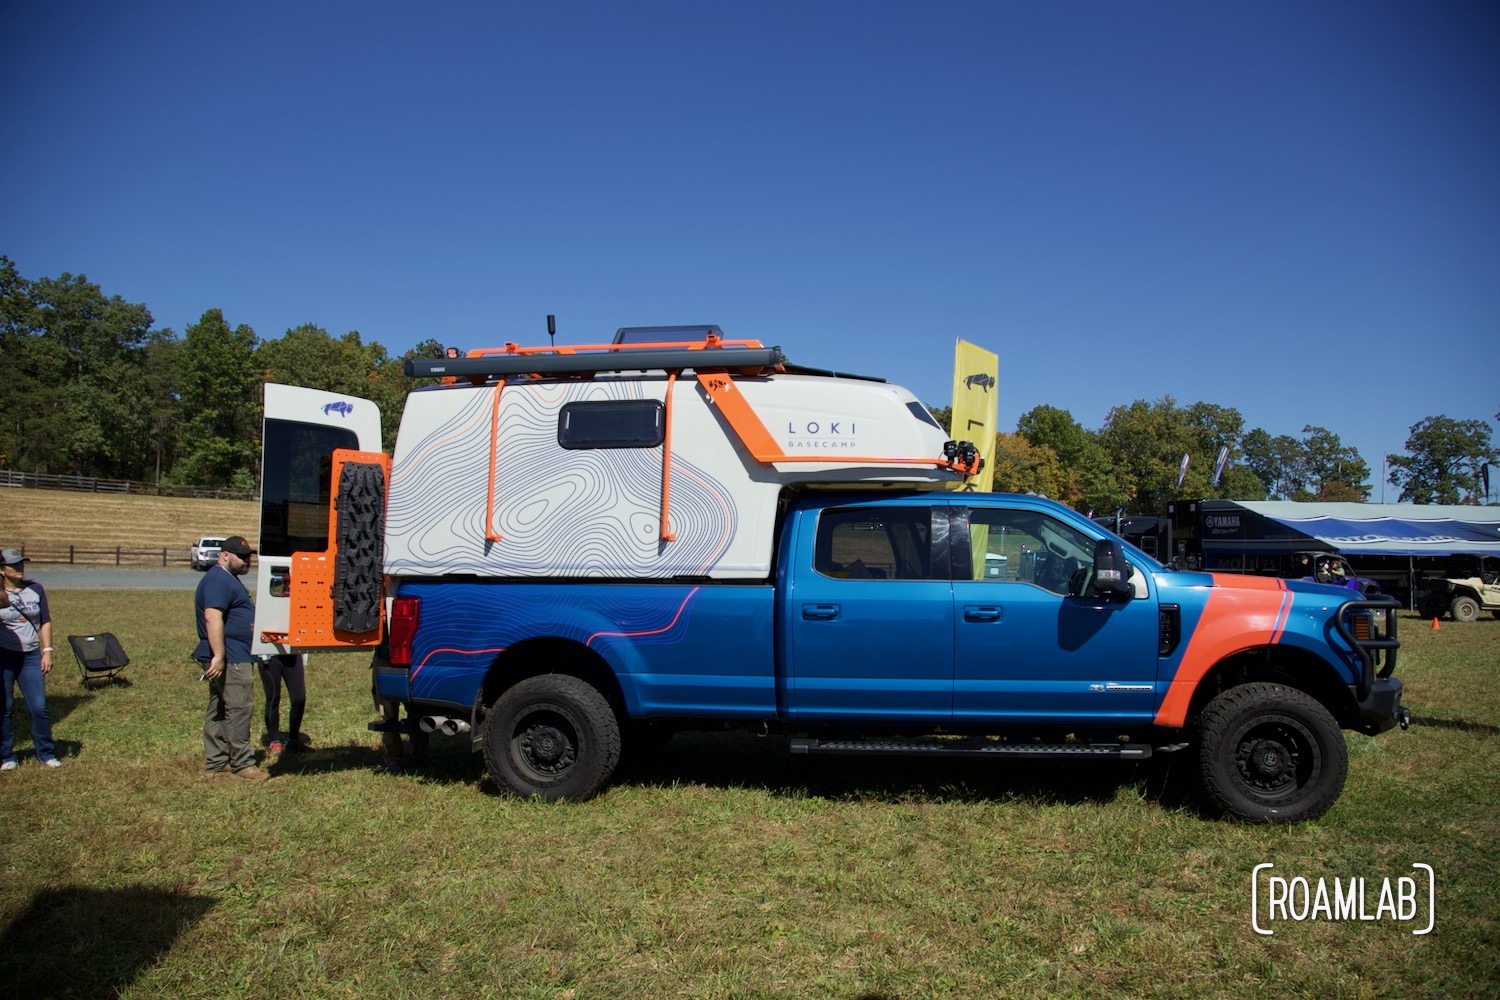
(1289, 208)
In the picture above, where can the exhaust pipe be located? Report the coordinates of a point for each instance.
(443, 724)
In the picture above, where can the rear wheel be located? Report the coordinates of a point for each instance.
(1269, 753)
(1465, 608)
(553, 736)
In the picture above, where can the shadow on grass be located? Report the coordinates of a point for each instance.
(59, 707)
(76, 942)
(97, 684)
(737, 760)
(450, 761)
(1461, 725)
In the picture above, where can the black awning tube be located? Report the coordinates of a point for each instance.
(713, 359)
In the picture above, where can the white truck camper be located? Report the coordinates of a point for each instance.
(661, 456)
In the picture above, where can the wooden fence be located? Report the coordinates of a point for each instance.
(93, 484)
(119, 555)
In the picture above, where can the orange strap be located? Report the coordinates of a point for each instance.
(490, 534)
(666, 463)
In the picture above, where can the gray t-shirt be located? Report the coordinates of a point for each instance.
(23, 618)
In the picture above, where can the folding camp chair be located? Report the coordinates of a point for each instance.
(99, 657)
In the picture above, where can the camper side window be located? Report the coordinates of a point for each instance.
(623, 423)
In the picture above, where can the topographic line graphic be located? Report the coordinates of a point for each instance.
(494, 651)
(727, 521)
(570, 512)
(641, 633)
(468, 424)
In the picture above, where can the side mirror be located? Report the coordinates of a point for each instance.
(1111, 571)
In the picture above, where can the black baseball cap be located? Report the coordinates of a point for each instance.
(236, 545)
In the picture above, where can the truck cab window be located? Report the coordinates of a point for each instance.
(1022, 546)
(875, 544)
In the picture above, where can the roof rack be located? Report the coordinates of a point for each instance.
(713, 353)
(674, 334)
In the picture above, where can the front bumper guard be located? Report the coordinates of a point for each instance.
(1370, 650)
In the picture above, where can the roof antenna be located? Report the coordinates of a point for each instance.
(552, 329)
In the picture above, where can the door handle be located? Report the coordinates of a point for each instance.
(982, 613)
(820, 612)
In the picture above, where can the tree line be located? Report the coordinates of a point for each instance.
(1135, 460)
(94, 389)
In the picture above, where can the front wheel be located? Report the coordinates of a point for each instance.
(554, 736)
(1465, 609)
(1269, 753)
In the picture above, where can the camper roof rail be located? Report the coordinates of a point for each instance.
(711, 354)
(670, 334)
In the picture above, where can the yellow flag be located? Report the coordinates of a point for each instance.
(976, 395)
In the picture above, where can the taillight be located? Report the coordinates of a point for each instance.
(405, 612)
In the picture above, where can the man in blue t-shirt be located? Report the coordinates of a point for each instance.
(226, 624)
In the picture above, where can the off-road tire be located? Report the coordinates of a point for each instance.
(1269, 753)
(554, 736)
(1465, 609)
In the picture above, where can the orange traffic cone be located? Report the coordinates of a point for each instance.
(1434, 623)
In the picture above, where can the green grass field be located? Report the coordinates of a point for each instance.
(722, 867)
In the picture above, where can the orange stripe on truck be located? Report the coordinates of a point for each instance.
(1241, 612)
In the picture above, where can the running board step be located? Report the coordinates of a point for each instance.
(973, 748)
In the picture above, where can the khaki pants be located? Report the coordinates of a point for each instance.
(226, 726)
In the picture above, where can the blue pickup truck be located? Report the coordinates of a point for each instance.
(570, 568)
(881, 633)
